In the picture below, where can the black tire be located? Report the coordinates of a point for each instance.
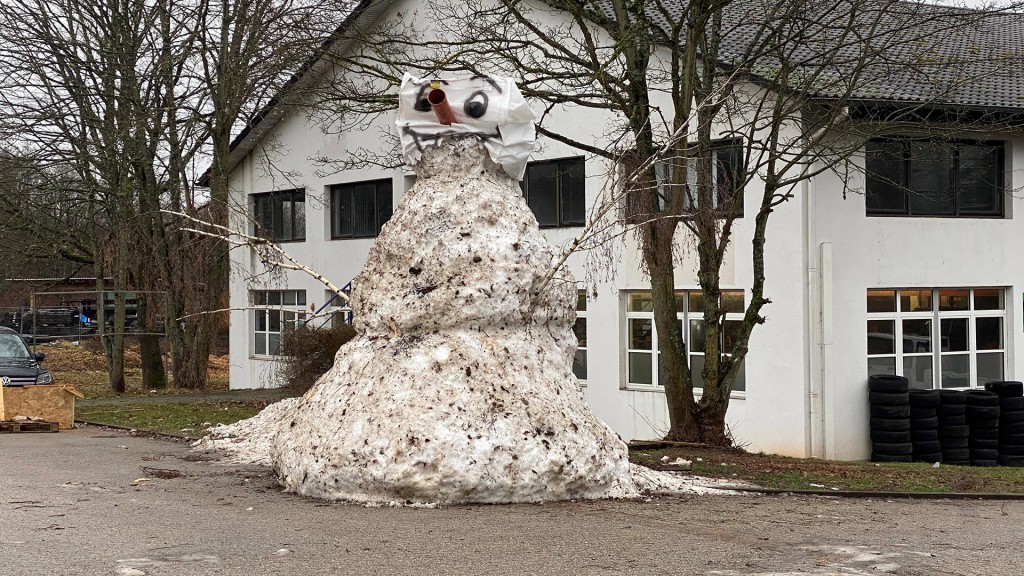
(983, 454)
(888, 383)
(1012, 439)
(953, 431)
(930, 458)
(1011, 449)
(1015, 461)
(989, 434)
(1011, 427)
(951, 397)
(919, 413)
(924, 424)
(1011, 404)
(960, 420)
(954, 443)
(892, 458)
(1006, 388)
(984, 463)
(980, 398)
(885, 424)
(931, 435)
(1012, 417)
(892, 449)
(924, 398)
(890, 437)
(955, 462)
(927, 447)
(951, 410)
(889, 398)
(983, 444)
(890, 412)
(988, 424)
(956, 455)
(981, 412)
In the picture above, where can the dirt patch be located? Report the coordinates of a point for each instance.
(84, 366)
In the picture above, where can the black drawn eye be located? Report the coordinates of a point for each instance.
(476, 104)
(421, 105)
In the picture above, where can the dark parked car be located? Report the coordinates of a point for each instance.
(18, 366)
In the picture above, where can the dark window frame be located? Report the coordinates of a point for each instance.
(563, 165)
(383, 196)
(955, 161)
(263, 202)
(739, 176)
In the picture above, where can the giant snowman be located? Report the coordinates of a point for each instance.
(458, 386)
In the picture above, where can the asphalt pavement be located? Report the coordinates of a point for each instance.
(96, 501)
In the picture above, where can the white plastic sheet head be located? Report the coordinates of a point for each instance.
(489, 107)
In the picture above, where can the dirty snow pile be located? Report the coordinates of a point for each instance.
(458, 386)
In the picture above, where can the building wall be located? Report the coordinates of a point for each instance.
(901, 252)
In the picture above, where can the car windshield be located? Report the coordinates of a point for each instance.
(12, 346)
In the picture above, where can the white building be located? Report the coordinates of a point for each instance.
(849, 278)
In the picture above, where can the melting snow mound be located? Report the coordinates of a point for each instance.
(458, 386)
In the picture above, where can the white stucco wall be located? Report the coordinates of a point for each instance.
(892, 252)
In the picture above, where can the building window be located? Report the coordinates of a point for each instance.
(727, 174)
(359, 210)
(555, 192)
(937, 338)
(281, 216)
(274, 312)
(579, 362)
(934, 178)
(642, 337)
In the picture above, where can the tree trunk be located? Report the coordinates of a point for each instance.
(153, 375)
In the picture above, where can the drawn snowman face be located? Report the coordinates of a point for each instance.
(481, 102)
(488, 107)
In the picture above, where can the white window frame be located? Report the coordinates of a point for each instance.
(685, 316)
(285, 308)
(936, 316)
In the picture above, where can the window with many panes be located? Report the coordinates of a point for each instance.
(934, 178)
(642, 337)
(555, 192)
(281, 216)
(579, 362)
(937, 338)
(727, 176)
(274, 312)
(360, 209)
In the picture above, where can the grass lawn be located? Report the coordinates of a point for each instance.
(183, 419)
(784, 473)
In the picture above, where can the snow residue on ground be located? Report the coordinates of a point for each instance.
(248, 441)
(458, 387)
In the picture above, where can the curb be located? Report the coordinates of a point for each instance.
(903, 495)
(146, 433)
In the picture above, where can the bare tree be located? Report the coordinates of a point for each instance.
(130, 97)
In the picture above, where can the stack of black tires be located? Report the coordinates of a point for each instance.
(954, 433)
(890, 418)
(982, 410)
(924, 426)
(1011, 421)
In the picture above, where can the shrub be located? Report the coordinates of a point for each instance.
(309, 353)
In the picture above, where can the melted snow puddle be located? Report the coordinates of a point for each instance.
(133, 566)
(851, 561)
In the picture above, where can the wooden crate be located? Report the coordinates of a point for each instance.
(55, 403)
